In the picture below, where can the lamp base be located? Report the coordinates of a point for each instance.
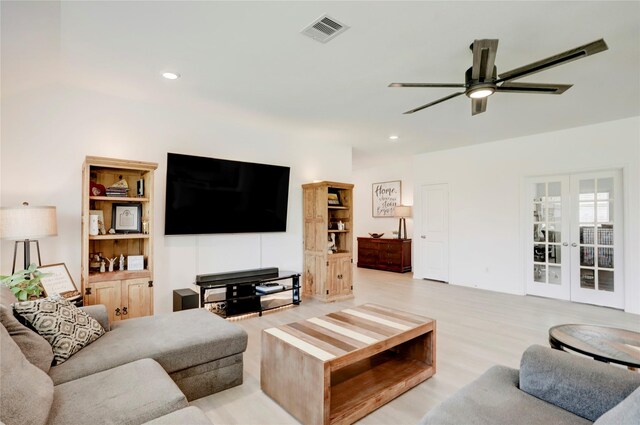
(27, 253)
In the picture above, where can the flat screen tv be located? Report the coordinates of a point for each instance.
(209, 195)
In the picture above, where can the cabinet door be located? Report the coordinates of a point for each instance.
(314, 275)
(333, 271)
(107, 293)
(344, 277)
(137, 298)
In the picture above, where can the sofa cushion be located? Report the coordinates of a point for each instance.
(26, 392)
(35, 348)
(626, 412)
(190, 415)
(494, 399)
(177, 341)
(130, 394)
(67, 328)
(580, 385)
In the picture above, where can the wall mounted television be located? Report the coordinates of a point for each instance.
(209, 195)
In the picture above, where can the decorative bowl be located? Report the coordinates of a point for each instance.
(376, 235)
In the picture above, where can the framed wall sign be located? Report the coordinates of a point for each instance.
(126, 218)
(386, 195)
(58, 281)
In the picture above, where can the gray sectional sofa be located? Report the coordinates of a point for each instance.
(141, 370)
(551, 387)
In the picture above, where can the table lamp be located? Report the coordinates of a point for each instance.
(402, 211)
(26, 224)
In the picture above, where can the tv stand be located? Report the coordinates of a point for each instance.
(233, 293)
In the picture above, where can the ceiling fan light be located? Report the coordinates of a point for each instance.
(481, 93)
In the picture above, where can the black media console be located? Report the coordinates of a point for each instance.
(248, 291)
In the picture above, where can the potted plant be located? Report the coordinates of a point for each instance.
(25, 284)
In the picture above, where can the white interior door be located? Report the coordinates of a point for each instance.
(574, 230)
(596, 249)
(434, 239)
(547, 246)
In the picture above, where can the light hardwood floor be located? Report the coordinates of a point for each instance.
(476, 329)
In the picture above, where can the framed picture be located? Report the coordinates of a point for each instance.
(58, 281)
(334, 199)
(126, 218)
(101, 227)
(385, 197)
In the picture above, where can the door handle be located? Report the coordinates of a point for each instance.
(574, 244)
(124, 311)
(423, 237)
(118, 311)
(565, 243)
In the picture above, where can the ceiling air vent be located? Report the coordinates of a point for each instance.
(324, 29)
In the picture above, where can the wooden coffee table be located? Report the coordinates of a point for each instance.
(338, 368)
(605, 344)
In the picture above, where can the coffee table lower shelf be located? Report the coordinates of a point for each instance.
(376, 387)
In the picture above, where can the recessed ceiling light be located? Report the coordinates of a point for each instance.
(171, 75)
(393, 138)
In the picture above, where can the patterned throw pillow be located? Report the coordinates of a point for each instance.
(67, 328)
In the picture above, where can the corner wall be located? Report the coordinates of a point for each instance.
(486, 183)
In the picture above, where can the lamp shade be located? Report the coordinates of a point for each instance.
(403, 211)
(27, 222)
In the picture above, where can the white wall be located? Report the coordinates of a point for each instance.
(486, 184)
(46, 133)
(363, 179)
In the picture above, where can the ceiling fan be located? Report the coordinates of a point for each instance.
(482, 79)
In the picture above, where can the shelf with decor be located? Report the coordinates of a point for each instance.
(119, 236)
(126, 292)
(118, 199)
(328, 240)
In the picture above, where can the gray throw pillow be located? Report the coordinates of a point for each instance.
(35, 348)
(580, 385)
(627, 412)
(67, 328)
(26, 392)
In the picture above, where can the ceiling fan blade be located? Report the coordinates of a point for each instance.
(426, 85)
(510, 87)
(559, 59)
(478, 106)
(484, 56)
(420, 108)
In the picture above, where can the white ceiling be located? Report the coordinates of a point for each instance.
(251, 56)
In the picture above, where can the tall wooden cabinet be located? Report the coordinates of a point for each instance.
(126, 293)
(327, 272)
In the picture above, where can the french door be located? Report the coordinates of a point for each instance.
(574, 243)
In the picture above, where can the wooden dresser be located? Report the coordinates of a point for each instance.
(392, 255)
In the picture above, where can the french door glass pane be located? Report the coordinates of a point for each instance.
(587, 212)
(540, 273)
(555, 191)
(554, 233)
(605, 189)
(605, 280)
(538, 233)
(539, 253)
(554, 254)
(587, 279)
(555, 275)
(605, 258)
(605, 235)
(586, 235)
(586, 256)
(605, 211)
(587, 186)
